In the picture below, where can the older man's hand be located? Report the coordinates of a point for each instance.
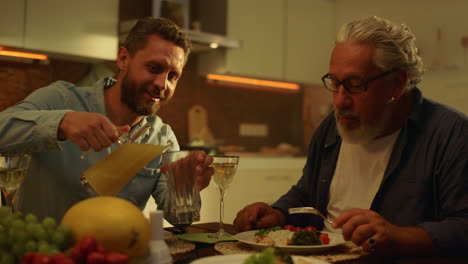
(257, 216)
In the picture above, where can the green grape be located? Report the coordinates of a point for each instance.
(30, 218)
(17, 224)
(17, 249)
(49, 223)
(58, 238)
(3, 240)
(31, 228)
(6, 221)
(43, 247)
(7, 258)
(4, 211)
(53, 250)
(30, 246)
(20, 236)
(63, 229)
(40, 233)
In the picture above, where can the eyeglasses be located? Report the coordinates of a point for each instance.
(352, 85)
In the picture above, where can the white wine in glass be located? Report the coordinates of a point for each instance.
(225, 167)
(13, 168)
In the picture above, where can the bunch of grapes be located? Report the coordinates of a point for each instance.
(21, 234)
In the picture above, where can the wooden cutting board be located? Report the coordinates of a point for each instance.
(198, 129)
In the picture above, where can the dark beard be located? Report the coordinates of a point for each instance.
(130, 93)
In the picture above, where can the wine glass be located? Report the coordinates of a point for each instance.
(225, 168)
(13, 168)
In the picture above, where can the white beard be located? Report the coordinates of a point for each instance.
(366, 132)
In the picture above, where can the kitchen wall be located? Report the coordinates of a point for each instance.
(18, 79)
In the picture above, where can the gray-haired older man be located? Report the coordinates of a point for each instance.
(388, 165)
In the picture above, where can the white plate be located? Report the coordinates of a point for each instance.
(239, 259)
(335, 240)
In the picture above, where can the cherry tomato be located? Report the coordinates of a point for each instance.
(310, 228)
(298, 228)
(289, 227)
(325, 238)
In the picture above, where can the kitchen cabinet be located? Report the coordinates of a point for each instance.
(12, 23)
(310, 35)
(281, 39)
(260, 26)
(84, 29)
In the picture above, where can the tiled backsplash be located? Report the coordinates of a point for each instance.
(18, 79)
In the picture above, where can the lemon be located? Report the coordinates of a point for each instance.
(116, 224)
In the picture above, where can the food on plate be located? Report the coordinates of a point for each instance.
(117, 224)
(269, 256)
(290, 235)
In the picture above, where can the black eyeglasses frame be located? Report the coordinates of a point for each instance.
(365, 82)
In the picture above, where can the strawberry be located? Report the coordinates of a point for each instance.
(113, 257)
(95, 258)
(87, 245)
(28, 258)
(42, 259)
(77, 254)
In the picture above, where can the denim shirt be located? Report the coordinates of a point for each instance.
(425, 183)
(52, 184)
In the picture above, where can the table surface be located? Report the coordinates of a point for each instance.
(205, 250)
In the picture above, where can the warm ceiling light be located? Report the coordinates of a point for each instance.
(254, 82)
(214, 45)
(19, 54)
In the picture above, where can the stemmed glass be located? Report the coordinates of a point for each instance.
(13, 168)
(225, 167)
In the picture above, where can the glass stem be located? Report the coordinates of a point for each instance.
(221, 210)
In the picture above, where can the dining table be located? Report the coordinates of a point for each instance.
(184, 251)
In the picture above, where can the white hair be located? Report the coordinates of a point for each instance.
(395, 47)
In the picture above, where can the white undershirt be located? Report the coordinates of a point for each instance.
(358, 174)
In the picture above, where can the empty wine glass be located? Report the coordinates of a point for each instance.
(225, 167)
(13, 168)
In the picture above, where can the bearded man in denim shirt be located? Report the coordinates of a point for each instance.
(57, 123)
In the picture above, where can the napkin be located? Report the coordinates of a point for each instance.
(203, 238)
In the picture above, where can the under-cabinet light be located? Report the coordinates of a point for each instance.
(19, 54)
(253, 82)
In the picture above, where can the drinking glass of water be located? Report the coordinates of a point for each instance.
(183, 202)
(13, 168)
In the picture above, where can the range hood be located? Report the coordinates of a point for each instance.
(201, 41)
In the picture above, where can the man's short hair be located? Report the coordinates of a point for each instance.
(164, 28)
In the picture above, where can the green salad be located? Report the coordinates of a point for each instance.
(269, 256)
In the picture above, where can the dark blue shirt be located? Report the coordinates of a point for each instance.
(425, 183)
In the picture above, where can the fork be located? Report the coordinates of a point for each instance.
(308, 210)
